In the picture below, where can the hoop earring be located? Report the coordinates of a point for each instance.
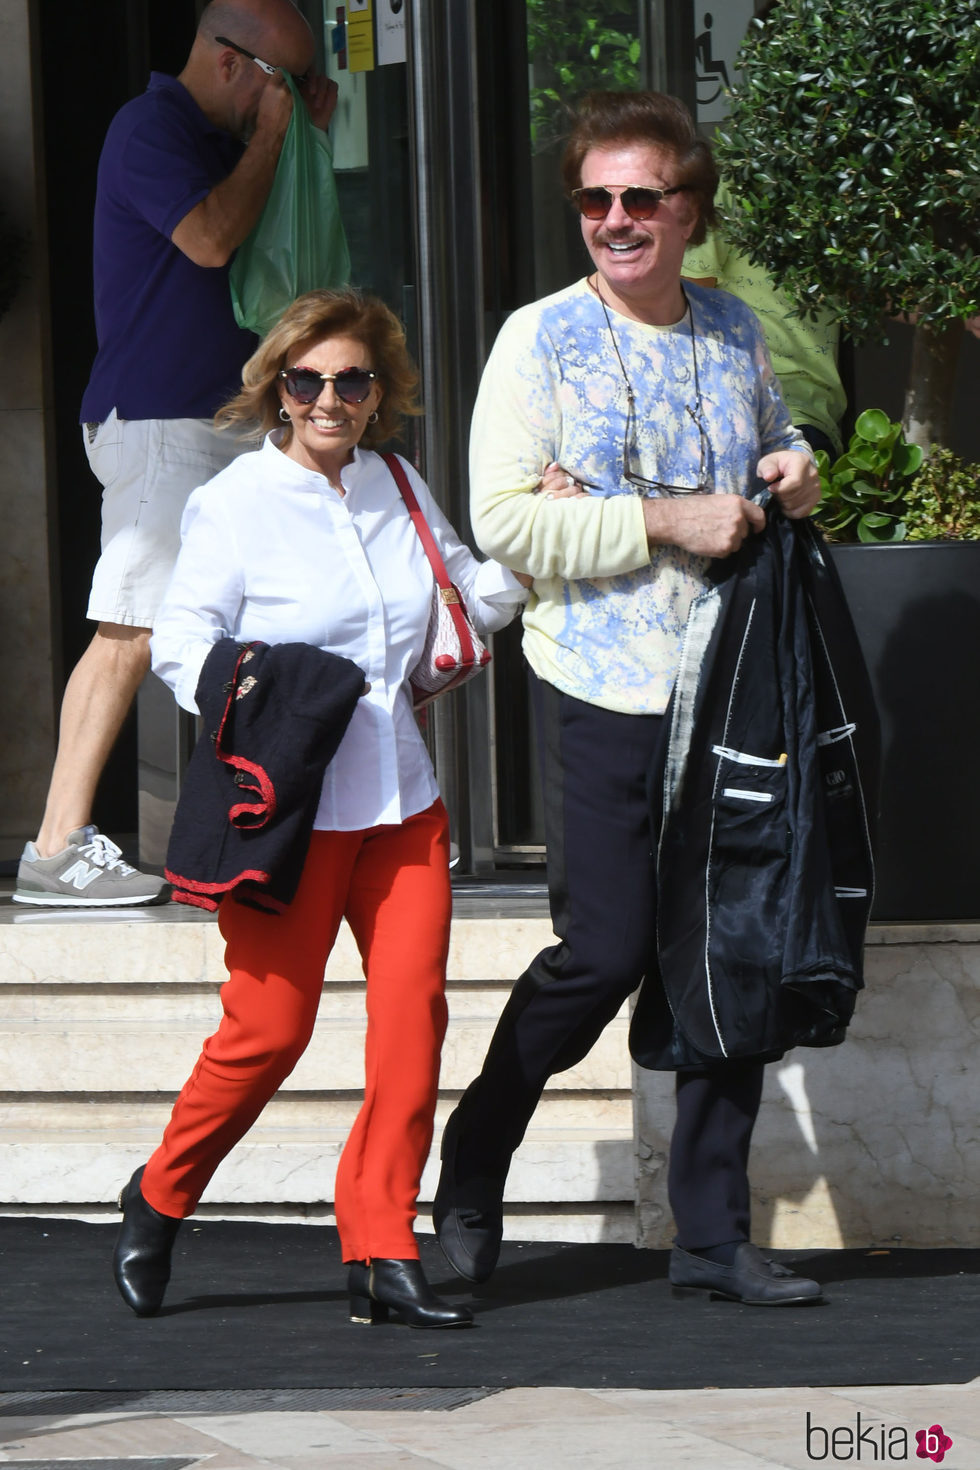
(373, 417)
(283, 414)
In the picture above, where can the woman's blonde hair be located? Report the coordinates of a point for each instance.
(311, 318)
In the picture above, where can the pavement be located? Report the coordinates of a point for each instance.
(516, 1429)
(476, 1429)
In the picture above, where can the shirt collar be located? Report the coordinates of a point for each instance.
(161, 81)
(300, 476)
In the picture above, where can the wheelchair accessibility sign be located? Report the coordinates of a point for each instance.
(718, 33)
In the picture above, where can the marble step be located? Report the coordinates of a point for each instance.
(611, 1221)
(199, 1002)
(146, 1053)
(103, 1016)
(107, 1115)
(296, 1167)
(43, 947)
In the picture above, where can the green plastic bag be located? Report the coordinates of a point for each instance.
(298, 242)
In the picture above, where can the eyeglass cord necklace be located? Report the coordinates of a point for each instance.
(695, 413)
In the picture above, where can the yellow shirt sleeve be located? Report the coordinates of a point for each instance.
(515, 434)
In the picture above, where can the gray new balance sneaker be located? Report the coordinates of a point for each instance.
(90, 873)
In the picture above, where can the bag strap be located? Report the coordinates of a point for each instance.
(447, 591)
(421, 524)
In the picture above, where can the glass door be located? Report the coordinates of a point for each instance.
(572, 47)
(364, 51)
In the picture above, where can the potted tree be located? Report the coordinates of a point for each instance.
(853, 149)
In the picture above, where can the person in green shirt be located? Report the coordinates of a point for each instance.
(803, 350)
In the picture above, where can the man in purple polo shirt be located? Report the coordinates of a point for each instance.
(185, 171)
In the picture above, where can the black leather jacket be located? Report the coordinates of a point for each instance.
(764, 802)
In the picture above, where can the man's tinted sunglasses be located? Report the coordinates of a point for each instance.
(638, 201)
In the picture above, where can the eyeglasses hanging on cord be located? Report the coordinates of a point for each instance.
(695, 413)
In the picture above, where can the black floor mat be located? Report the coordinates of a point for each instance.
(264, 1307)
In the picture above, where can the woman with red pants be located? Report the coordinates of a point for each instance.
(308, 540)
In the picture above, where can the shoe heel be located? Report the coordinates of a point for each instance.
(366, 1311)
(684, 1293)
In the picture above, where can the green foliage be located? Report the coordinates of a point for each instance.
(884, 489)
(853, 148)
(864, 491)
(575, 46)
(943, 502)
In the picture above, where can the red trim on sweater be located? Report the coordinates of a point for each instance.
(209, 895)
(260, 812)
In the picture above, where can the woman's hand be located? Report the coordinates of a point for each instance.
(559, 484)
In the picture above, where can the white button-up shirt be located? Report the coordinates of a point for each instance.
(270, 551)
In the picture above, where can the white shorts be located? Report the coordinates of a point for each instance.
(148, 468)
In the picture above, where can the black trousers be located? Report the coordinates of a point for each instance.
(602, 891)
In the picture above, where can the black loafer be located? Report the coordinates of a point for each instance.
(753, 1279)
(469, 1229)
(401, 1287)
(141, 1260)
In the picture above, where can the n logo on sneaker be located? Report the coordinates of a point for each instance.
(80, 875)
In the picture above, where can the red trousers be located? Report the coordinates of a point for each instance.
(392, 885)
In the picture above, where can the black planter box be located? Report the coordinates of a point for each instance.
(916, 607)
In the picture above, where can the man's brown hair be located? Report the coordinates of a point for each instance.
(608, 118)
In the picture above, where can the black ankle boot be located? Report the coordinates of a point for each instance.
(402, 1287)
(141, 1260)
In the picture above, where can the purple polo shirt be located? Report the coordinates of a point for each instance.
(169, 346)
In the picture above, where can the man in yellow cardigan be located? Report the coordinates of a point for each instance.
(622, 427)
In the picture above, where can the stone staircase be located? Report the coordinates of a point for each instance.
(102, 1015)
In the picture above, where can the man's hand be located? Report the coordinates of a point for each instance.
(320, 95)
(274, 110)
(214, 228)
(706, 525)
(792, 477)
